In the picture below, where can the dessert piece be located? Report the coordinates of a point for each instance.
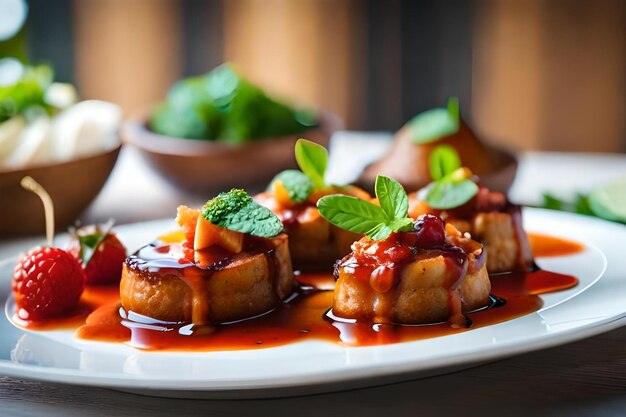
(456, 196)
(313, 242)
(401, 271)
(407, 158)
(100, 252)
(233, 264)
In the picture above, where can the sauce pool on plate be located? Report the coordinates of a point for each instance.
(305, 315)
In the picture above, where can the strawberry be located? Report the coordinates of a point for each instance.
(47, 282)
(100, 252)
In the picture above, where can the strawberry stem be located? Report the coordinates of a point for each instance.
(28, 183)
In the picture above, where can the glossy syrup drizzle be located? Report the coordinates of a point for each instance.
(305, 315)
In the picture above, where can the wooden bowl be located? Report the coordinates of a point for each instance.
(210, 166)
(72, 186)
(408, 162)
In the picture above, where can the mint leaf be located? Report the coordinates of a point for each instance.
(436, 123)
(237, 211)
(447, 194)
(312, 159)
(391, 197)
(360, 216)
(442, 161)
(298, 185)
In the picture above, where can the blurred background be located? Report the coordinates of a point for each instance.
(531, 75)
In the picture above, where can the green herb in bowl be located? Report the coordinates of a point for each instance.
(222, 105)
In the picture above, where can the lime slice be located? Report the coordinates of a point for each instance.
(609, 201)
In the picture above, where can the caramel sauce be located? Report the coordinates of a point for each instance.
(305, 315)
(548, 246)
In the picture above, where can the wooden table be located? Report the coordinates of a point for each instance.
(586, 378)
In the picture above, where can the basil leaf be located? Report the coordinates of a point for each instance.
(446, 194)
(436, 123)
(391, 197)
(352, 214)
(312, 159)
(442, 161)
(298, 185)
(237, 211)
(360, 216)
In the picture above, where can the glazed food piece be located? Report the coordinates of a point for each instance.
(488, 216)
(314, 243)
(407, 158)
(404, 272)
(233, 264)
(491, 219)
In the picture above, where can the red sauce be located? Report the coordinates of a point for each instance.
(306, 315)
(548, 246)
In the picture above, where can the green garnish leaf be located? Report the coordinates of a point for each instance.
(446, 194)
(312, 159)
(237, 211)
(89, 242)
(391, 197)
(582, 206)
(351, 213)
(436, 123)
(442, 161)
(609, 201)
(360, 216)
(451, 188)
(553, 203)
(297, 184)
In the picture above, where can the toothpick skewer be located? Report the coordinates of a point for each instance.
(28, 183)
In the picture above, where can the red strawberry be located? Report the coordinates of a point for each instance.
(47, 282)
(101, 254)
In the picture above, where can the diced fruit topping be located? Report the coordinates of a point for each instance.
(429, 231)
(187, 219)
(387, 252)
(47, 282)
(207, 234)
(101, 254)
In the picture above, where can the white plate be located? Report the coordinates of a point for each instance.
(596, 305)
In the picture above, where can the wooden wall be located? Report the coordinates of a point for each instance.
(551, 74)
(531, 74)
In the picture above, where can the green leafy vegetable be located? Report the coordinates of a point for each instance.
(222, 105)
(452, 186)
(435, 123)
(360, 216)
(443, 160)
(312, 159)
(26, 92)
(236, 210)
(297, 184)
(609, 201)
